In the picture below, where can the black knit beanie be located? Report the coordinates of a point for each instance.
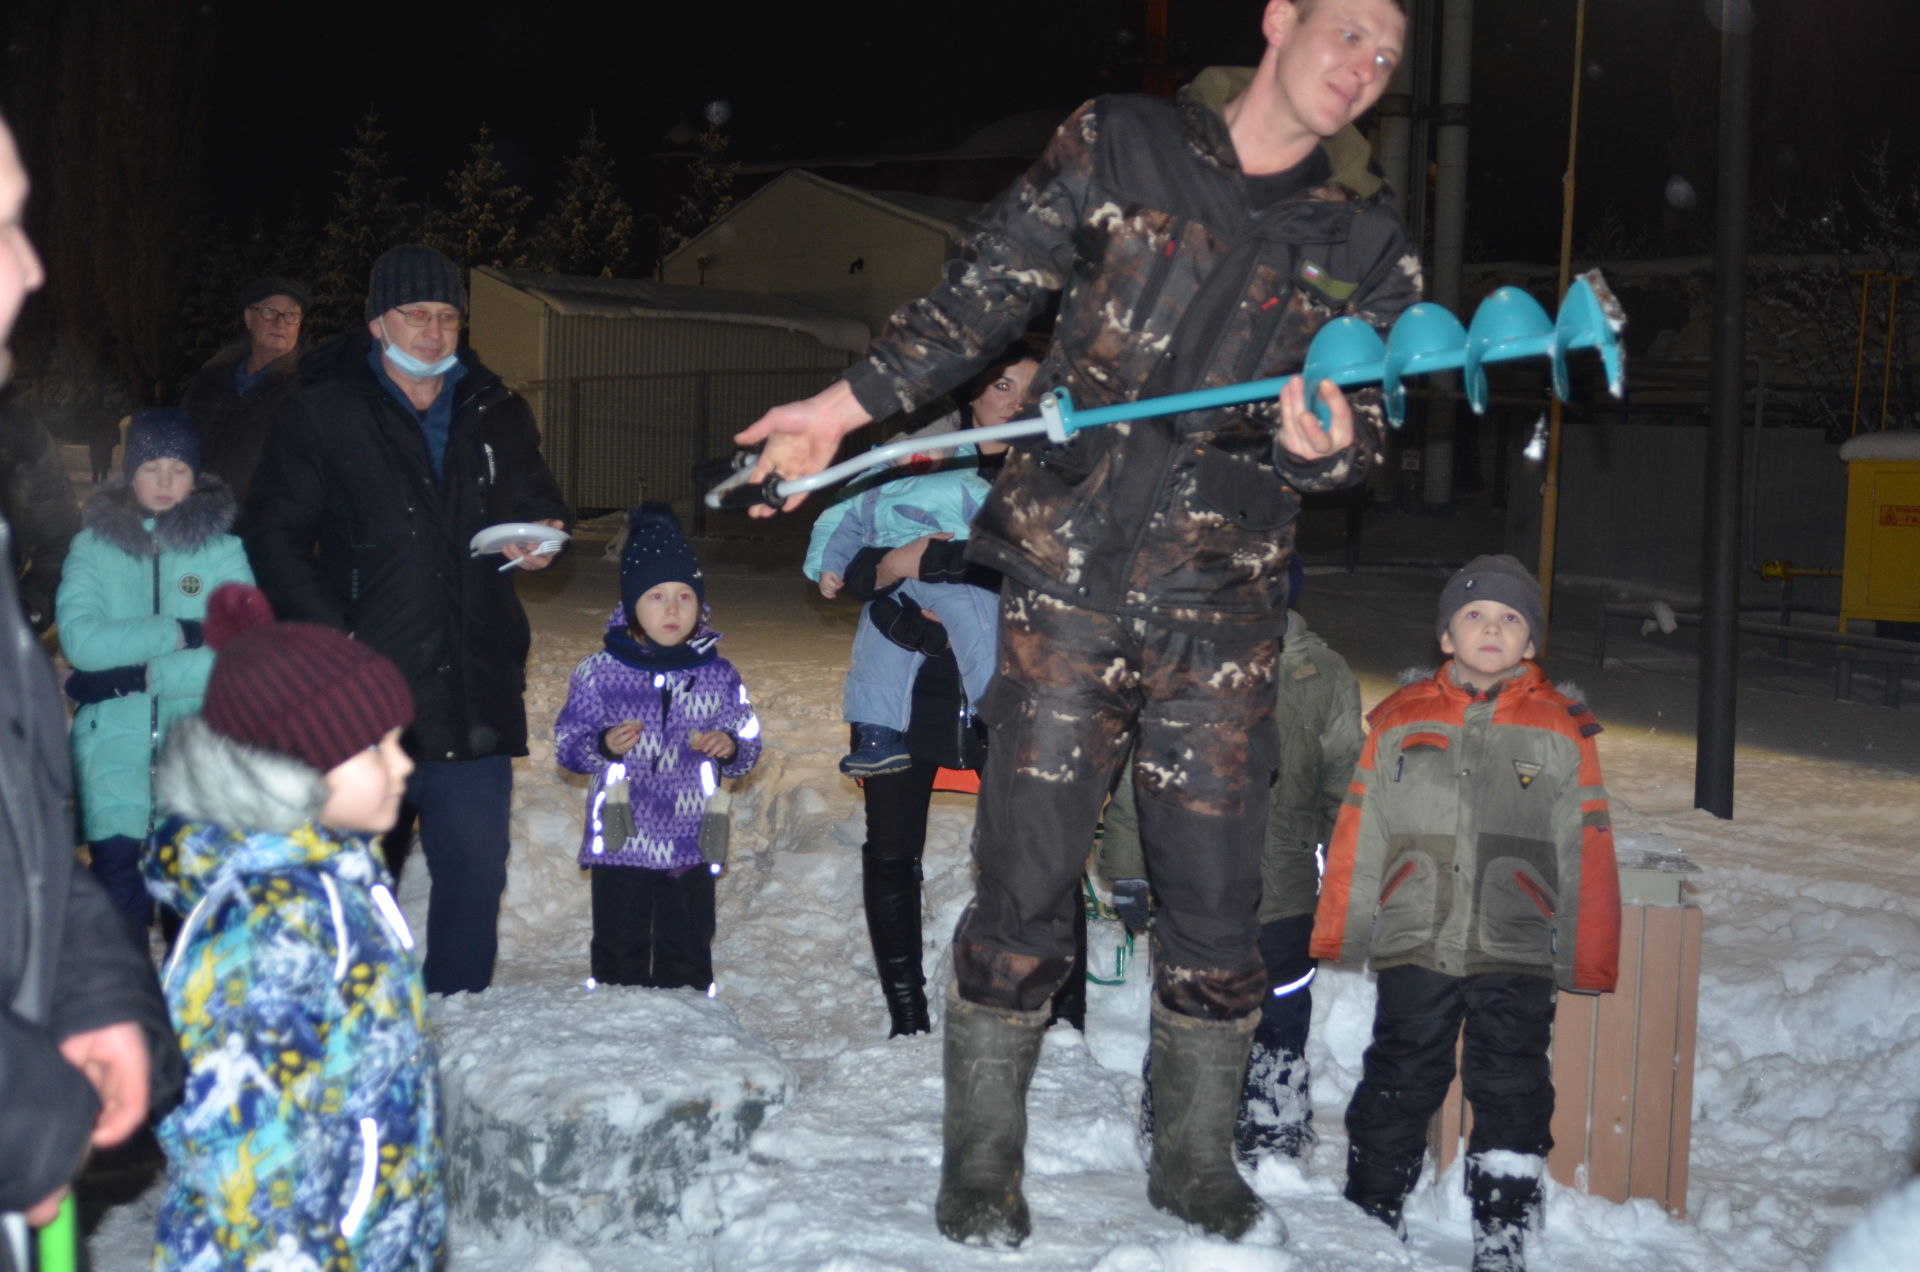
(160, 432)
(1494, 578)
(411, 274)
(296, 689)
(657, 552)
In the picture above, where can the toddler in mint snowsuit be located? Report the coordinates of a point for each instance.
(879, 687)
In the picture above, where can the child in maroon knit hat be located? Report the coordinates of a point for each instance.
(311, 1112)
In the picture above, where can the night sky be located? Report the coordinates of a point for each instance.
(849, 77)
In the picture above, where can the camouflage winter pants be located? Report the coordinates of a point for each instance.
(1074, 688)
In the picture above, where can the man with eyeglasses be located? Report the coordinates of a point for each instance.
(234, 397)
(398, 446)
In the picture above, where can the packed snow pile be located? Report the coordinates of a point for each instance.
(626, 1099)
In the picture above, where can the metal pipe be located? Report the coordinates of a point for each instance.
(1866, 277)
(1720, 555)
(1893, 321)
(1550, 478)
(1449, 219)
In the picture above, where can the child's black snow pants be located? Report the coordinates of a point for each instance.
(1404, 1077)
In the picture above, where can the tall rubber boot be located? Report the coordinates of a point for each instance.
(1505, 1192)
(891, 889)
(1198, 1067)
(990, 1054)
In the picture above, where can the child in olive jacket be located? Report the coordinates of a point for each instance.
(1473, 868)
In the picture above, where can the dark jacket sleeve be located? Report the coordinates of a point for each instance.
(105, 979)
(47, 1111)
(1016, 258)
(286, 508)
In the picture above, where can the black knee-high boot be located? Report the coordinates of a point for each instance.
(891, 889)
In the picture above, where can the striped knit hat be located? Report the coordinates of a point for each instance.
(296, 689)
(411, 274)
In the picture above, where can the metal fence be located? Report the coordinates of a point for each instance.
(613, 440)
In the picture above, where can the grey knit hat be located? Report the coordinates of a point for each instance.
(1493, 578)
(411, 274)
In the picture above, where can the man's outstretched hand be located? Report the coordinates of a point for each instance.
(801, 438)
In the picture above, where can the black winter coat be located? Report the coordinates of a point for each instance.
(38, 501)
(67, 964)
(347, 526)
(233, 429)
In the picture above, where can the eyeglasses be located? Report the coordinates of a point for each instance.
(270, 315)
(422, 317)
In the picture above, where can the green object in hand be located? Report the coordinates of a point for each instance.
(59, 1241)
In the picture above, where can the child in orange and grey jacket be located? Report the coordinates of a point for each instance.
(1473, 868)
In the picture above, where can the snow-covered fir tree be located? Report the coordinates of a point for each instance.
(368, 218)
(481, 225)
(590, 227)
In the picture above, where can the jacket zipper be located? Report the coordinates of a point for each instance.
(153, 707)
(1156, 281)
(1399, 877)
(1532, 890)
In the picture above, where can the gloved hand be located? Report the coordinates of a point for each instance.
(191, 632)
(89, 687)
(1130, 903)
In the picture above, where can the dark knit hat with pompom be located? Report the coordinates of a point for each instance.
(296, 689)
(657, 552)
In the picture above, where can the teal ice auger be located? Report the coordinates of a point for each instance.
(1508, 326)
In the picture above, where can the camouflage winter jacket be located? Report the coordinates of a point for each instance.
(1318, 711)
(1171, 279)
(1476, 838)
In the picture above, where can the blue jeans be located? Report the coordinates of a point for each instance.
(879, 687)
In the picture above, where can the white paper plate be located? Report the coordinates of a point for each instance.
(527, 533)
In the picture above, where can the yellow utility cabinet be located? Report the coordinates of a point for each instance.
(1881, 580)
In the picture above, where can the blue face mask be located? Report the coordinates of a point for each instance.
(413, 366)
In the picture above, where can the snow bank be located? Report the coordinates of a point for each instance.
(589, 1113)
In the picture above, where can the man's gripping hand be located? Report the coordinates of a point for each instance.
(1301, 434)
(801, 437)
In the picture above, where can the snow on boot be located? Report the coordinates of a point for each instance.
(1198, 1067)
(1276, 1113)
(1505, 1192)
(1381, 1187)
(890, 886)
(990, 1054)
(1145, 1126)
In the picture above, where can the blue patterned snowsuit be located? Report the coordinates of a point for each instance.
(310, 1125)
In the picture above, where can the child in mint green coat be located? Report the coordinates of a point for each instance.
(132, 597)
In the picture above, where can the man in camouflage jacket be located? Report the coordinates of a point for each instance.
(1192, 245)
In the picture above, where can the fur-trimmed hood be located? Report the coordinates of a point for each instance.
(206, 513)
(205, 776)
(237, 810)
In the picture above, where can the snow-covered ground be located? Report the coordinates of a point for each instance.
(1809, 1038)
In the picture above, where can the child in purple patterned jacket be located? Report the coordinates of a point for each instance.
(656, 718)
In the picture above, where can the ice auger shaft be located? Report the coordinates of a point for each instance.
(1508, 326)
